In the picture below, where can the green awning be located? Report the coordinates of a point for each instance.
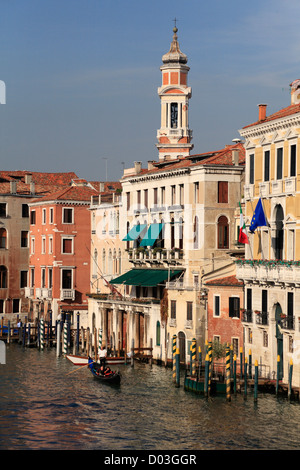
(152, 234)
(135, 232)
(146, 277)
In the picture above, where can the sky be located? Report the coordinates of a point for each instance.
(81, 77)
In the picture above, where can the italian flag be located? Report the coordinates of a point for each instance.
(243, 238)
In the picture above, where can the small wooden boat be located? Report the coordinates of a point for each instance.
(112, 378)
(82, 360)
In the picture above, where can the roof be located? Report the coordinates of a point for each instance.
(70, 193)
(289, 111)
(217, 157)
(225, 281)
(44, 183)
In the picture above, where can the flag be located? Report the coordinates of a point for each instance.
(243, 237)
(259, 218)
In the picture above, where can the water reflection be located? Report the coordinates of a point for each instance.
(42, 407)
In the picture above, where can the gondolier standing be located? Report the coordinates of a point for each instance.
(102, 353)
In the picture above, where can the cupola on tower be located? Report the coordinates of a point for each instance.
(174, 136)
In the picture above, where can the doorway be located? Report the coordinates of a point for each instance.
(181, 344)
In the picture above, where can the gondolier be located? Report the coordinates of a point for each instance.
(102, 353)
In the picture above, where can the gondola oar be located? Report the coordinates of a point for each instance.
(78, 368)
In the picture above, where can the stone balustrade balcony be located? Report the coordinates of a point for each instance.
(273, 271)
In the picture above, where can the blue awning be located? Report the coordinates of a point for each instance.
(135, 232)
(152, 234)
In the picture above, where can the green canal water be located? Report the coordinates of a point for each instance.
(44, 407)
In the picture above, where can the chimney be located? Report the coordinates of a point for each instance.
(137, 167)
(150, 165)
(101, 188)
(262, 112)
(32, 188)
(13, 187)
(28, 178)
(235, 156)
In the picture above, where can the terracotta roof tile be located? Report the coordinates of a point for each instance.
(225, 281)
(290, 110)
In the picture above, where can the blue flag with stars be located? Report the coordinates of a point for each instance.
(259, 218)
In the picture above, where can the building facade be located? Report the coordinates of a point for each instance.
(60, 258)
(270, 270)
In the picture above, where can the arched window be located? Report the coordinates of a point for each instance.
(115, 262)
(95, 263)
(110, 262)
(3, 277)
(3, 238)
(223, 232)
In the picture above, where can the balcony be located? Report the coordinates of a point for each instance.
(46, 293)
(261, 318)
(155, 256)
(29, 292)
(273, 271)
(290, 185)
(67, 294)
(277, 187)
(246, 316)
(287, 322)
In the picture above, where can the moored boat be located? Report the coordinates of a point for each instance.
(82, 360)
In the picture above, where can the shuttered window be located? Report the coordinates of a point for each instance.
(251, 169)
(279, 164)
(293, 161)
(223, 191)
(267, 165)
(234, 307)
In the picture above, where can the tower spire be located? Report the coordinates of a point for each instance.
(174, 136)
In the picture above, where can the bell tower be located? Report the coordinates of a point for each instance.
(174, 136)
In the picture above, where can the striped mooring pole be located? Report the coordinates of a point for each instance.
(234, 374)
(278, 372)
(241, 362)
(228, 382)
(99, 339)
(177, 368)
(193, 349)
(200, 361)
(65, 337)
(206, 376)
(250, 364)
(174, 339)
(245, 378)
(210, 364)
(42, 334)
(255, 380)
(290, 378)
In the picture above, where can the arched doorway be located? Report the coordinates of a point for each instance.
(181, 345)
(279, 338)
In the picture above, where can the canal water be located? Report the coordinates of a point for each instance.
(44, 407)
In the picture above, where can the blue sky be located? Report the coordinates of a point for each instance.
(82, 76)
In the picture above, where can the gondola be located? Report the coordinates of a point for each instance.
(81, 360)
(113, 378)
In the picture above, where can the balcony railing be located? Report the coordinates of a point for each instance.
(67, 294)
(29, 292)
(262, 318)
(277, 271)
(155, 256)
(247, 316)
(46, 293)
(288, 322)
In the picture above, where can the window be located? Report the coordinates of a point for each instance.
(267, 166)
(216, 305)
(43, 278)
(44, 216)
(189, 311)
(173, 309)
(293, 160)
(290, 304)
(67, 215)
(196, 233)
(50, 278)
(181, 194)
(249, 300)
(66, 280)
(1, 306)
(155, 199)
(67, 245)
(196, 193)
(265, 339)
(174, 115)
(3, 277)
(264, 301)
(251, 169)
(3, 238)
(23, 279)
(32, 217)
(138, 199)
(2, 209)
(32, 248)
(32, 280)
(234, 307)
(50, 245)
(173, 195)
(25, 210)
(222, 191)
(51, 215)
(223, 232)
(146, 198)
(24, 239)
(163, 195)
(279, 163)
(16, 305)
(43, 245)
